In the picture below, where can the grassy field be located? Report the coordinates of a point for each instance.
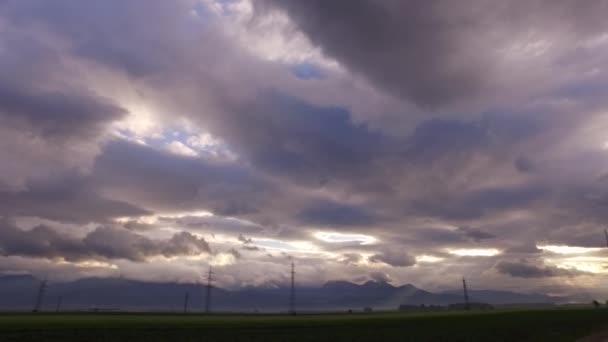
(531, 325)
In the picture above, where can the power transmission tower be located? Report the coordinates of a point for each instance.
(59, 300)
(292, 294)
(186, 298)
(40, 295)
(209, 287)
(466, 294)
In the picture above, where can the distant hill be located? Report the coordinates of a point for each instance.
(18, 292)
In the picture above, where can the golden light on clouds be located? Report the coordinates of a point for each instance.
(334, 237)
(428, 258)
(563, 249)
(482, 252)
(589, 264)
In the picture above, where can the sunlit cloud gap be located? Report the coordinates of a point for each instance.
(482, 252)
(429, 259)
(333, 237)
(568, 249)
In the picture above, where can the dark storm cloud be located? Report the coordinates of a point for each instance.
(326, 213)
(432, 236)
(524, 164)
(394, 256)
(279, 134)
(56, 114)
(351, 258)
(307, 156)
(380, 277)
(476, 204)
(102, 243)
(38, 93)
(117, 33)
(436, 52)
(245, 240)
(307, 143)
(433, 139)
(476, 235)
(116, 243)
(527, 269)
(236, 254)
(163, 180)
(50, 123)
(70, 199)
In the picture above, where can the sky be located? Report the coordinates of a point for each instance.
(401, 141)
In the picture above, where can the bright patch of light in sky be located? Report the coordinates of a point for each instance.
(333, 237)
(177, 147)
(151, 219)
(568, 249)
(485, 252)
(294, 247)
(140, 121)
(428, 258)
(88, 264)
(586, 264)
(222, 259)
(203, 141)
(268, 37)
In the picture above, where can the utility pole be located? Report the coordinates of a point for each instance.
(40, 295)
(59, 300)
(606, 235)
(466, 294)
(186, 298)
(292, 294)
(209, 286)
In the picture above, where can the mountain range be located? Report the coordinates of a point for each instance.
(18, 292)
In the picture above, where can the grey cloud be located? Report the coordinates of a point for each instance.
(235, 253)
(57, 114)
(185, 243)
(430, 235)
(165, 181)
(302, 161)
(244, 239)
(103, 243)
(394, 256)
(335, 214)
(380, 277)
(91, 35)
(439, 53)
(50, 122)
(71, 199)
(476, 235)
(524, 164)
(527, 269)
(475, 204)
(526, 248)
(285, 146)
(351, 258)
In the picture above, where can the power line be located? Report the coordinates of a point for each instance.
(466, 294)
(40, 295)
(292, 294)
(209, 287)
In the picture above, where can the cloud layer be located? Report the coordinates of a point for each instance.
(363, 139)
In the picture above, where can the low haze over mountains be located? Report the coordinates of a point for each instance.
(18, 292)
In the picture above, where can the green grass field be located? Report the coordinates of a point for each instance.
(531, 325)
